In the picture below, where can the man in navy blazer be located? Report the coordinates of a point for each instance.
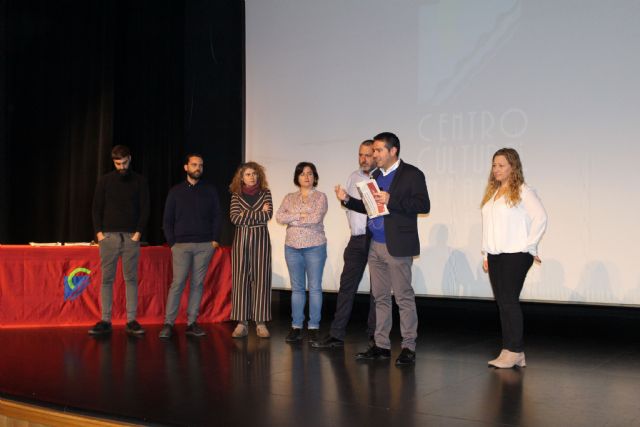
(394, 243)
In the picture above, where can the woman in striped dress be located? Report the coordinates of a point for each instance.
(251, 209)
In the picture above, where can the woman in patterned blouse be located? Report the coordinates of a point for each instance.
(251, 208)
(305, 248)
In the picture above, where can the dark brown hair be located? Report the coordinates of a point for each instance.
(300, 168)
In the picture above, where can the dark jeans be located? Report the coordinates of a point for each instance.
(507, 273)
(355, 260)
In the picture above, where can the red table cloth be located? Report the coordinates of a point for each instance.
(59, 286)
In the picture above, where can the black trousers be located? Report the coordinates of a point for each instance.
(507, 273)
(355, 260)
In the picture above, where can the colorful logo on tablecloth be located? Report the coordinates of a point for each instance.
(76, 282)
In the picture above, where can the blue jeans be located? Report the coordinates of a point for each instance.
(306, 263)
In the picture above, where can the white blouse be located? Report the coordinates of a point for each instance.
(512, 229)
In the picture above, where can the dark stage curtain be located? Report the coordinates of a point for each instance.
(4, 183)
(59, 100)
(212, 56)
(148, 105)
(81, 76)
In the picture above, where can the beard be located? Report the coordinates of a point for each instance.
(123, 172)
(194, 175)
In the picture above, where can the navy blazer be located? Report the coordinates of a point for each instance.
(408, 197)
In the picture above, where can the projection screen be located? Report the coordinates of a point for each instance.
(456, 80)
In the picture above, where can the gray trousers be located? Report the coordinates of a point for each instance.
(112, 247)
(188, 257)
(389, 273)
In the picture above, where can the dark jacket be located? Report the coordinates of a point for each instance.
(192, 214)
(408, 197)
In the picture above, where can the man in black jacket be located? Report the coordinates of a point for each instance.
(394, 243)
(120, 213)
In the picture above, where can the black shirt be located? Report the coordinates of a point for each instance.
(121, 203)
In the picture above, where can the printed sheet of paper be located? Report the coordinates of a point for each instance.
(367, 189)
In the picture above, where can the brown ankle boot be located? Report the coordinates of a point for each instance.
(240, 331)
(262, 331)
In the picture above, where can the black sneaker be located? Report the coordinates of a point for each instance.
(374, 353)
(134, 328)
(313, 335)
(101, 328)
(406, 357)
(195, 331)
(166, 331)
(328, 342)
(294, 335)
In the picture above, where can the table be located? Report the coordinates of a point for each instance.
(60, 286)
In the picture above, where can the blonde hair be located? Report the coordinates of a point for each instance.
(236, 182)
(515, 180)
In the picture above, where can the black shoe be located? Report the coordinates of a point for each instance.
(134, 328)
(313, 335)
(294, 335)
(406, 357)
(194, 330)
(374, 353)
(101, 328)
(328, 342)
(166, 331)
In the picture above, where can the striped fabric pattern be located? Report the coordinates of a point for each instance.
(251, 259)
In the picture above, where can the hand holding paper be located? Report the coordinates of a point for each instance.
(374, 200)
(382, 197)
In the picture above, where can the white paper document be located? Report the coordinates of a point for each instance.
(367, 189)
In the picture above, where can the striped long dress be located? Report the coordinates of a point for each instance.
(251, 258)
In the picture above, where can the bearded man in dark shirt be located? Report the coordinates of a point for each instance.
(191, 224)
(120, 213)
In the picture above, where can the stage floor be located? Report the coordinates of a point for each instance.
(578, 375)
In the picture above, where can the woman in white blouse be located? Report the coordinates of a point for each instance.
(513, 222)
